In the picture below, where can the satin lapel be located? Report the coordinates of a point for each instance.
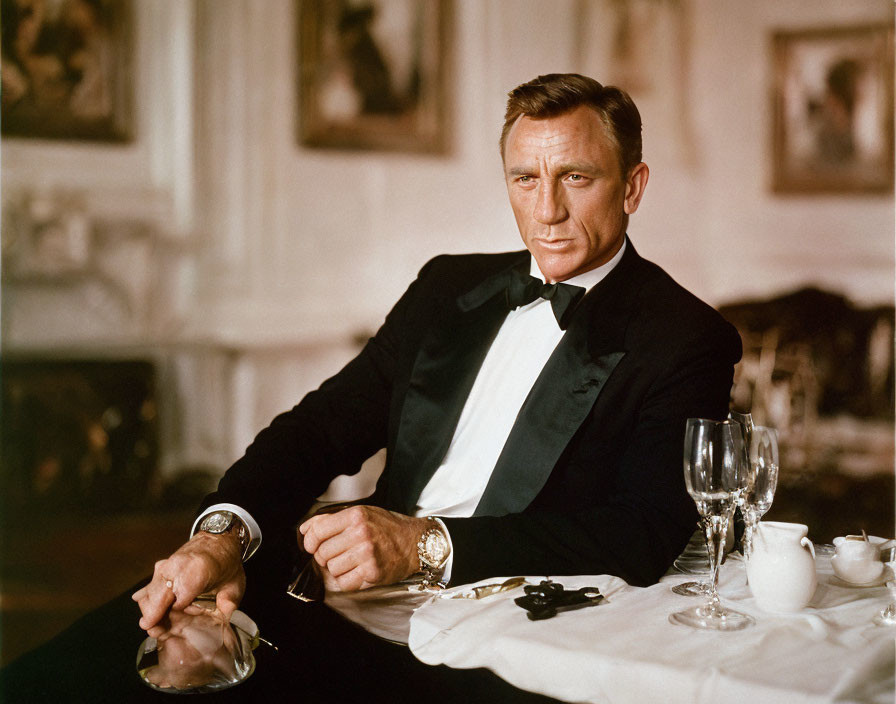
(564, 393)
(559, 402)
(443, 374)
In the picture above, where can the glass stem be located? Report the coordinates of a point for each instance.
(750, 521)
(716, 528)
(704, 524)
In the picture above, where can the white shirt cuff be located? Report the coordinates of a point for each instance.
(244, 516)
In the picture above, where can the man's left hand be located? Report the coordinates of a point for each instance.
(363, 546)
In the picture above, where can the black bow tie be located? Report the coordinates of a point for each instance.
(523, 289)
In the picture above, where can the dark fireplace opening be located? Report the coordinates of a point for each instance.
(78, 435)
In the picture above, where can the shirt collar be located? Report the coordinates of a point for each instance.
(589, 278)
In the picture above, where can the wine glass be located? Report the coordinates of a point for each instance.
(716, 472)
(688, 557)
(758, 497)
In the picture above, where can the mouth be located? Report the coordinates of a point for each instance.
(553, 245)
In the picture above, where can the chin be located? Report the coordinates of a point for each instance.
(557, 270)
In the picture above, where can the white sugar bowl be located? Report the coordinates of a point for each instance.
(856, 560)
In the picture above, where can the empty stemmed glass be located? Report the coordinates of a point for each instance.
(757, 499)
(701, 587)
(716, 472)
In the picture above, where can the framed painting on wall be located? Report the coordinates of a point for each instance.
(833, 110)
(66, 69)
(372, 74)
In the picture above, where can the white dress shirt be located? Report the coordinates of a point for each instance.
(519, 352)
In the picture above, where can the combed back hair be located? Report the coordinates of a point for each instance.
(558, 93)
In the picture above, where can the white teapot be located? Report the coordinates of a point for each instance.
(781, 566)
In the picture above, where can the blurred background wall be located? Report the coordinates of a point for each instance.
(204, 268)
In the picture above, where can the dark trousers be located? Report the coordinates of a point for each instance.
(320, 657)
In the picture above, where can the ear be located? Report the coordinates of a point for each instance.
(634, 187)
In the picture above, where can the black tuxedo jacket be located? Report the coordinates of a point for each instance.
(590, 479)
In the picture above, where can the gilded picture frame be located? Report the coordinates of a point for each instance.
(372, 75)
(67, 70)
(833, 110)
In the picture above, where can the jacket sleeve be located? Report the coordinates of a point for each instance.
(330, 432)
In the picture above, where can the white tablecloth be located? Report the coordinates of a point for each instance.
(626, 650)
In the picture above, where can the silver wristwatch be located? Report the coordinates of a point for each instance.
(218, 522)
(433, 550)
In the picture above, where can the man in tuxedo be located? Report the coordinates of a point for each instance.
(532, 404)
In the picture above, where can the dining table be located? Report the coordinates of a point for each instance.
(625, 649)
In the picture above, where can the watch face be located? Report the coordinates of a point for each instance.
(216, 522)
(436, 547)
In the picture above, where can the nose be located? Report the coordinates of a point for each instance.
(549, 206)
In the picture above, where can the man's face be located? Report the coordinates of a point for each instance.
(567, 191)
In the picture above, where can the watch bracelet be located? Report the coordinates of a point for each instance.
(432, 579)
(432, 576)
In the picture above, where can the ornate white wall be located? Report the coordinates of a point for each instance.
(258, 247)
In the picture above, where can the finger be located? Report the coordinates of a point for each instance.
(322, 514)
(330, 583)
(231, 593)
(139, 594)
(321, 528)
(155, 603)
(353, 580)
(156, 631)
(346, 561)
(226, 600)
(185, 592)
(337, 545)
(309, 540)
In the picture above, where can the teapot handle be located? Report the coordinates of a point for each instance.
(805, 542)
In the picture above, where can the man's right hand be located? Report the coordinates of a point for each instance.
(206, 564)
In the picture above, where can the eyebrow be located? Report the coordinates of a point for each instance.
(562, 169)
(581, 166)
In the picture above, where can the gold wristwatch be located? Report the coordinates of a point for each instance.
(433, 550)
